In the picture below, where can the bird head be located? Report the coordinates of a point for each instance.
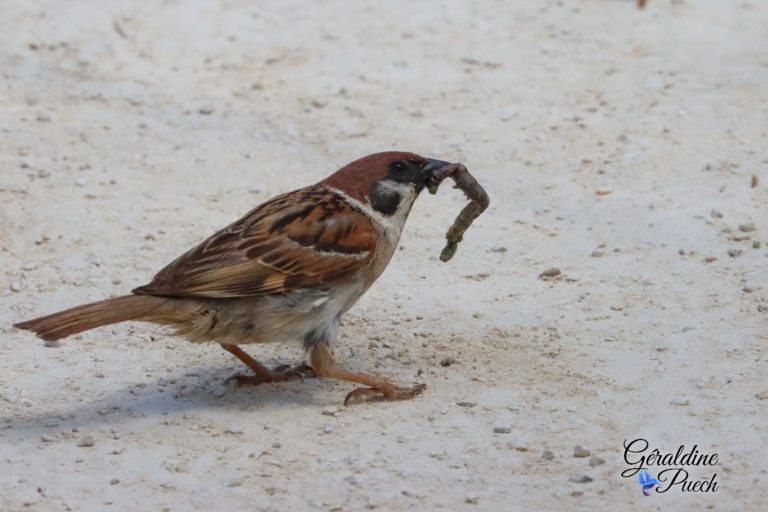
(389, 182)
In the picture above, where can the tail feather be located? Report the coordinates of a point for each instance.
(88, 316)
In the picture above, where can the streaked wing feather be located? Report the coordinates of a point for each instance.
(305, 238)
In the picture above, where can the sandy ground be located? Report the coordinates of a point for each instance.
(607, 136)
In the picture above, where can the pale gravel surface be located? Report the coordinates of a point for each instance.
(131, 132)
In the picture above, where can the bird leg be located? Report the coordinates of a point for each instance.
(378, 389)
(263, 374)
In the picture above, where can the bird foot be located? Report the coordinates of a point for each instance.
(279, 374)
(387, 392)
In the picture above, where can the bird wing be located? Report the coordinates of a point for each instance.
(305, 238)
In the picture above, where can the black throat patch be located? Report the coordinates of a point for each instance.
(384, 199)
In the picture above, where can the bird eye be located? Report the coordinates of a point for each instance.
(398, 167)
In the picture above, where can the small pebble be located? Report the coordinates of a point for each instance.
(448, 361)
(597, 254)
(114, 481)
(181, 468)
(547, 455)
(507, 113)
(679, 402)
(86, 442)
(466, 404)
(715, 214)
(583, 479)
(733, 253)
(330, 411)
(472, 499)
(502, 430)
(552, 272)
(52, 343)
(747, 228)
(478, 277)
(596, 461)
(498, 249)
(235, 482)
(15, 286)
(580, 452)
(763, 395)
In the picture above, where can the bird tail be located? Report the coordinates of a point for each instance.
(88, 316)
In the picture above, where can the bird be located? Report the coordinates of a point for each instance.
(288, 270)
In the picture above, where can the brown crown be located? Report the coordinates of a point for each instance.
(357, 178)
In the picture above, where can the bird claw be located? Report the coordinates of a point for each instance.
(389, 393)
(303, 371)
(281, 373)
(241, 379)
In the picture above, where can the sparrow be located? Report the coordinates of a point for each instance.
(288, 270)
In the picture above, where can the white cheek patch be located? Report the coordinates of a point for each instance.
(393, 223)
(402, 196)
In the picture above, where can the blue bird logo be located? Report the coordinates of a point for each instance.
(647, 481)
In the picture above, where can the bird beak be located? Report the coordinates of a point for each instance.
(429, 173)
(433, 165)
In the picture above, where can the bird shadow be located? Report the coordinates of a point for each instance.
(201, 388)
